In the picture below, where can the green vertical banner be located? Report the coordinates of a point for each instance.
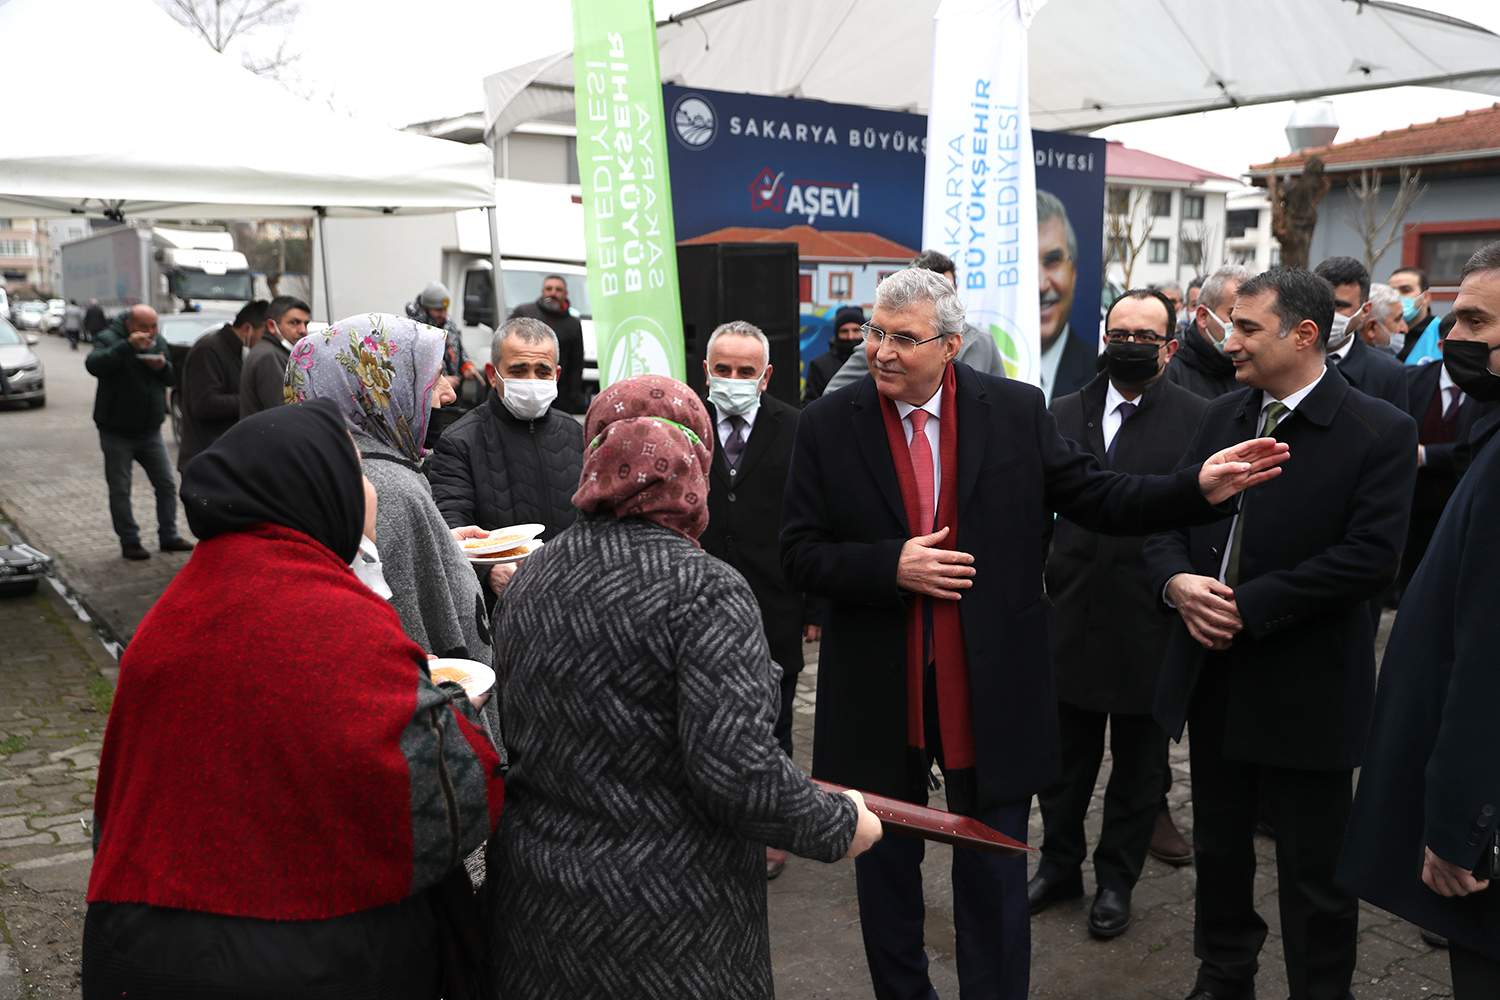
(627, 195)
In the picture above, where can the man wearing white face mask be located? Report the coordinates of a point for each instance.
(1384, 328)
(1371, 372)
(751, 461)
(1201, 365)
(515, 459)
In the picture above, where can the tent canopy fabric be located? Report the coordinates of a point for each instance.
(178, 131)
(1092, 62)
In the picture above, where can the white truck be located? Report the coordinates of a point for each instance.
(380, 264)
(168, 269)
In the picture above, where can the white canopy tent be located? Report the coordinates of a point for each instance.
(1092, 62)
(151, 122)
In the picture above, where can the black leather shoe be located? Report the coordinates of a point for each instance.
(133, 550)
(178, 544)
(1201, 994)
(1110, 915)
(1042, 892)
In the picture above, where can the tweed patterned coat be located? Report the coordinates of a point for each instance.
(638, 704)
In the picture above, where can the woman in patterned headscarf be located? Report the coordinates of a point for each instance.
(638, 702)
(382, 371)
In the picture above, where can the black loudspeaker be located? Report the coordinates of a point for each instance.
(755, 282)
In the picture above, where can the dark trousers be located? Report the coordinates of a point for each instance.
(1310, 810)
(991, 920)
(1475, 976)
(120, 452)
(1132, 797)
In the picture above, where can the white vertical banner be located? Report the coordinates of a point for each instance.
(979, 202)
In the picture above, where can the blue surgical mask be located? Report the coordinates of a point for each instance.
(1409, 308)
(734, 397)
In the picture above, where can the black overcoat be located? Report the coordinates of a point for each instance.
(1374, 374)
(843, 525)
(744, 521)
(1319, 540)
(1431, 776)
(1107, 637)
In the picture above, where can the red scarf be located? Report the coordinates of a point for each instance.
(955, 716)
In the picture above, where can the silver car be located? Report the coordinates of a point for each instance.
(23, 369)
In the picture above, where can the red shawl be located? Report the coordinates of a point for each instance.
(955, 716)
(254, 764)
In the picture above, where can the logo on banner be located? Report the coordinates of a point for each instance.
(638, 347)
(813, 199)
(695, 121)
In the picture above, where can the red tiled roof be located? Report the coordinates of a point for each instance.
(1470, 132)
(1122, 161)
(814, 244)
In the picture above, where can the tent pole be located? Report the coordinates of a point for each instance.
(322, 221)
(490, 213)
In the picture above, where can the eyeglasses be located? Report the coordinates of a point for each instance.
(1122, 336)
(899, 342)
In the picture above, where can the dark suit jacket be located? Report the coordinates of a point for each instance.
(1079, 364)
(1374, 374)
(843, 526)
(1319, 540)
(1107, 637)
(1432, 773)
(1422, 383)
(744, 520)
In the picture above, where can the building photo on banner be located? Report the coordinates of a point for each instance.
(845, 184)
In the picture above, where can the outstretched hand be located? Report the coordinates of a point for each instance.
(1236, 469)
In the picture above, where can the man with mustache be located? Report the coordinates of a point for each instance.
(551, 307)
(1067, 362)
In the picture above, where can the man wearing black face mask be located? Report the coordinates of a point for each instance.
(1421, 841)
(1107, 636)
(847, 335)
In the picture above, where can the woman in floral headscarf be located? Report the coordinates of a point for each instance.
(382, 371)
(638, 701)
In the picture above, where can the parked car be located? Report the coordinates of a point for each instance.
(181, 331)
(29, 314)
(23, 369)
(57, 310)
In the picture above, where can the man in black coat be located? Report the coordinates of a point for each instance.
(551, 307)
(1272, 660)
(1201, 366)
(1371, 372)
(752, 455)
(210, 380)
(263, 375)
(94, 320)
(847, 337)
(516, 458)
(1107, 640)
(1429, 793)
(856, 530)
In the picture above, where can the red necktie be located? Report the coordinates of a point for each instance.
(1452, 402)
(921, 466)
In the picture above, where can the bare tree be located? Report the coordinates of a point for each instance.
(1127, 228)
(1364, 198)
(1204, 236)
(1294, 210)
(222, 23)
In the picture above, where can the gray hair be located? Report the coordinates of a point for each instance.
(528, 331)
(1212, 292)
(1049, 206)
(1167, 286)
(1486, 258)
(915, 285)
(738, 328)
(1382, 297)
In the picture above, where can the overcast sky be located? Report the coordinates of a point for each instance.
(392, 62)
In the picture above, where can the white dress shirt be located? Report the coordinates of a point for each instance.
(726, 426)
(1343, 350)
(1113, 418)
(934, 408)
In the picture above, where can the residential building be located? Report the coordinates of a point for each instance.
(1163, 220)
(25, 246)
(1247, 228)
(1456, 164)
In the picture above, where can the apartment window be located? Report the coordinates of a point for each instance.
(1161, 203)
(1245, 256)
(1119, 201)
(75, 233)
(7, 224)
(1192, 253)
(1158, 251)
(882, 275)
(840, 284)
(1192, 206)
(17, 248)
(1444, 254)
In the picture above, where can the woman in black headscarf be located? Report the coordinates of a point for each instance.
(282, 787)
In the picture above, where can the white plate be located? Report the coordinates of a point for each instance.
(531, 548)
(517, 534)
(480, 677)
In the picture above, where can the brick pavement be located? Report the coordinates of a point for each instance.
(51, 486)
